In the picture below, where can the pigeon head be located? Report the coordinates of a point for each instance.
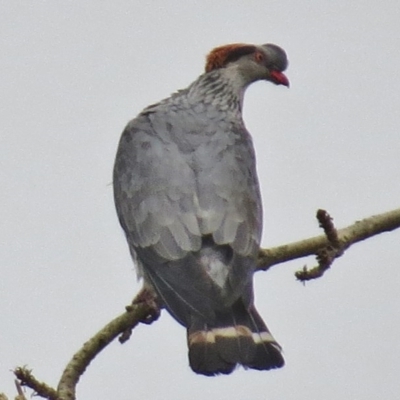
(264, 62)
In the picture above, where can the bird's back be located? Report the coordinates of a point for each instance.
(183, 180)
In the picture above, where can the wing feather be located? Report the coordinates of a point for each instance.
(170, 192)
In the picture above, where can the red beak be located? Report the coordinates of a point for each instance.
(279, 78)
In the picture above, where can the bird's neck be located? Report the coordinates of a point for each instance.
(223, 89)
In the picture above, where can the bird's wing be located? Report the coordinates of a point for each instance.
(173, 187)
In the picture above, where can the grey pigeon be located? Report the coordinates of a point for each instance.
(187, 196)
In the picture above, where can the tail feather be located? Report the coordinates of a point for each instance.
(204, 359)
(268, 348)
(233, 346)
(239, 338)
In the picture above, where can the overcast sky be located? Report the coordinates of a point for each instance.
(72, 73)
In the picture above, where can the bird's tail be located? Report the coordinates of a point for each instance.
(239, 337)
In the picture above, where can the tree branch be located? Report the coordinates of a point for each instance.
(354, 233)
(25, 378)
(144, 308)
(137, 312)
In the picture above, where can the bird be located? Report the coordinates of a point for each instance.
(187, 196)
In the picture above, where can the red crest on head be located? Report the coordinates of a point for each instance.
(221, 56)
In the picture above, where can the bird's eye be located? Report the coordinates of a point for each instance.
(259, 57)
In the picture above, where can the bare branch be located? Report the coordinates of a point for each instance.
(145, 308)
(25, 378)
(357, 232)
(326, 255)
(137, 312)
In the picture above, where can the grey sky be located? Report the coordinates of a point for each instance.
(73, 73)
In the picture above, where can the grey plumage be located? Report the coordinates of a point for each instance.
(187, 197)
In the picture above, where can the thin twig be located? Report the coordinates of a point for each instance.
(327, 254)
(25, 378)
(326, 223)
(21, 394)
